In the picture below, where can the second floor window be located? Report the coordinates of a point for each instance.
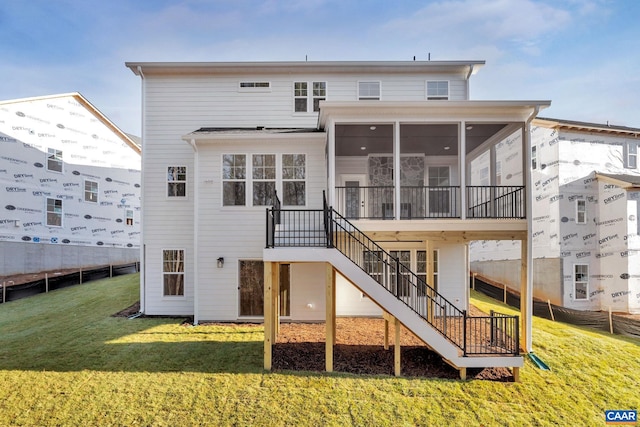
(300, 93)
(90, 191)
(177, 181)
(54, 160)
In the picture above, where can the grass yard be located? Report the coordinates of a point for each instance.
(65, 361)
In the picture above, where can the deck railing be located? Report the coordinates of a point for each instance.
(423, 202)
(327, 228)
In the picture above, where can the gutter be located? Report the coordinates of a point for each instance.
(196, 222)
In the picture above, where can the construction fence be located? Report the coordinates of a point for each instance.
(600, 320)
(51, 282)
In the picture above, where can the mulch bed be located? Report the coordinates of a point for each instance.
(360, 350)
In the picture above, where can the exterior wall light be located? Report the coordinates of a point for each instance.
(220, 262)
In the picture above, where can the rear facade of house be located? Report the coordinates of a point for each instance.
(377, 166)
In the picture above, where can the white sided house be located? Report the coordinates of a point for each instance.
(585, 228)
(309, 190)
(70, 187)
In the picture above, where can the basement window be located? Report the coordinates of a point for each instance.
(54, 160)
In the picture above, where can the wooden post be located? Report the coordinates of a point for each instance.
(46, 283)
(551, 310)
(275, 300)
(81, 275)
(396, 350)
(4, 292)
(474, 281)
(516, 374)
(268, 317)
(504, 293)
(386, 333)
(525, 315)
(610, 321)
(330, 318)
(463, 374)
(110, 270)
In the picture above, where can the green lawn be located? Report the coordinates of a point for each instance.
(65, 361)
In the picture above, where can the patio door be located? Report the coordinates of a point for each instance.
(354, 202)
(439, 198)
(251, 288)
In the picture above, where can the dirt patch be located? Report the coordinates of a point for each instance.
(129, 311)
(19, 279)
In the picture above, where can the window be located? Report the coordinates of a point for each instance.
(173, 272)
(581, 211)
(255, 86)
(128, 216)
(437, 90)
(439, 191)
(293, 179)
(631, 155)
(534, 158)
(54, 160)
(581, 281)
(434, 285)
(177, 181)
(264, 179)
(90, 191)
(251, 286)
(54, 212)
(300, 94)
(319, 94)
(421, 271)
(373, 265)
(234, 175)
(368, 90)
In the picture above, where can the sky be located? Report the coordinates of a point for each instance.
(583, 55)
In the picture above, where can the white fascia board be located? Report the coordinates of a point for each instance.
(421, 110)
(213, 137)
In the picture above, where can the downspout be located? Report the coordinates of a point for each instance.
(529, 212)
(143, 248)
(196, 227)
(471, 67)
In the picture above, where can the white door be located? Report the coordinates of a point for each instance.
(439, 198)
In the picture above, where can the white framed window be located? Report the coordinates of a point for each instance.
(234, 179)
(404, 257)
(307, 97)
(631, 155)
(294, 172)
(177, 181)
(54, 212)
(173, 272)
(373, 265)
(54, 160)
(581, 281)
(264, 179)
(436, 262)
(300, 94)
(90, 191)
(128, 217)
(254, 86)
(319, 94)
(534, 157)
(581, 211)
(369, 90)
(438, 90)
